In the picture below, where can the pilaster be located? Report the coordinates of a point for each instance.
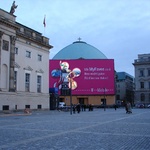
(1, 34)
(12, 63)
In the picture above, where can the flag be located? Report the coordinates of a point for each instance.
(44, 22)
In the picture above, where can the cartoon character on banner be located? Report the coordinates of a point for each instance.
(65, 75)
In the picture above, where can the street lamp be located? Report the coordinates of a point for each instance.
(70, 80)
(104, 101)
(72, 83)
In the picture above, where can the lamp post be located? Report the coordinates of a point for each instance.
(70, 96)
(104, 101)
(69, 77)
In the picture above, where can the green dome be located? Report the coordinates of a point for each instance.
(79, 50)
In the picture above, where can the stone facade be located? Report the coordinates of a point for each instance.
(24, 66)
(124, 88)
(142, 79)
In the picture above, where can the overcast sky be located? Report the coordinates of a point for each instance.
(118, 28)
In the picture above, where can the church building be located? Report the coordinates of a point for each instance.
(80, 73)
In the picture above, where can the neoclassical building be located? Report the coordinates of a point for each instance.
(142, 79)
(24, 66)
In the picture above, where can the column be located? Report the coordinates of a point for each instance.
(1, 34)
(12, 63)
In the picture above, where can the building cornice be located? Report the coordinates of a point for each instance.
(34, 40)
(9, 24)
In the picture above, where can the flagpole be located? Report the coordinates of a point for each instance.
(44, 23)
(44, 31)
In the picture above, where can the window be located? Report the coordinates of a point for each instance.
(148, 72)
(5, 107)
(39, 106)
(5, 45)
(16, 107)
(28, 54)
(27, 82)
(141, 73)
(39, 57)
(16, 50)
(142, 85)
(27, 106)
(142, 97)
(39, 84)
(15, 80)
(118, 97)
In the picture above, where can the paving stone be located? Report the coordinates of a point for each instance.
(95, 130)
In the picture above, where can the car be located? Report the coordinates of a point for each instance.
(62, 105)
(148, 106)
(140, 106)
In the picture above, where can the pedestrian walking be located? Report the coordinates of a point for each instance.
(89, 107)
(84, 107)
(74, 109)
(78, 108)
(129, 108)
(126, 108)
(115, 106)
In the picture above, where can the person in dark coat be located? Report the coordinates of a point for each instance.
(115, 106)
(78, 108)
(84, 107)
(74, 109)
(90, 107)
(126, 108)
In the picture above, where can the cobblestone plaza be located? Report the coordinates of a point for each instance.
(94, 130)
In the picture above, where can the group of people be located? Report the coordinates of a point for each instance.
(81, 107)
(128, 107)
(27, 110)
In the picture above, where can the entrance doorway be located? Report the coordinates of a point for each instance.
(83, 101)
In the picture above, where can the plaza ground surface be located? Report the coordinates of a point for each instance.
(95, 130)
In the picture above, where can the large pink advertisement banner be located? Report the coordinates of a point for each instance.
(88, 77)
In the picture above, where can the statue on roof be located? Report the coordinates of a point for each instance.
(13, 7)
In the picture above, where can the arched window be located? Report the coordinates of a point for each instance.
(142, 97)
